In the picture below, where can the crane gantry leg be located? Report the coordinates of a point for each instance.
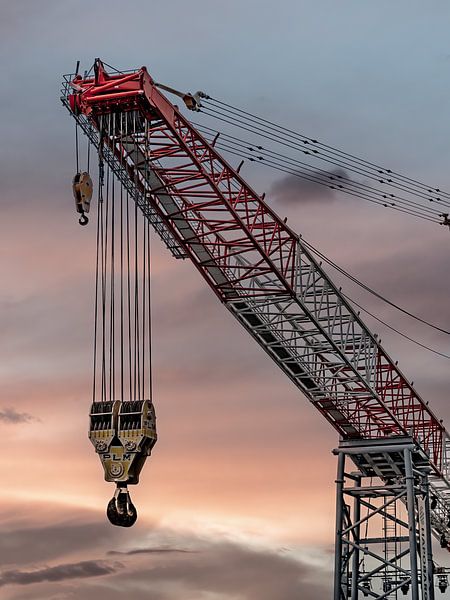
(383, 531)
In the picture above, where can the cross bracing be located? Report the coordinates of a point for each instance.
(257, 266)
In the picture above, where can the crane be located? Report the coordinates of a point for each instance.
(268, 279)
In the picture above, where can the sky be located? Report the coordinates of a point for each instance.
(237, 500)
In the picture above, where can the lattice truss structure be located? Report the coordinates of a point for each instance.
(383, 530)
(257, 266)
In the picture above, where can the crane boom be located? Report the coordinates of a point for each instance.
(256, 265)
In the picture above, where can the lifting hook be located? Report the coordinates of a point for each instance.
(83, 220)
(82, 192)
(120, 510)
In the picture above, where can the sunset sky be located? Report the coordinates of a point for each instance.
(237, 500)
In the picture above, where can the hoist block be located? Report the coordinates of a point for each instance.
(123, 435)
(82, 192)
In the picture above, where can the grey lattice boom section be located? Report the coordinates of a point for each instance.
(288, 337)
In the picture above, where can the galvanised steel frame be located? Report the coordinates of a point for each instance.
(383, 531)
(257, 266)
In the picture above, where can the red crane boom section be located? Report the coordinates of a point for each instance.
(243, 241)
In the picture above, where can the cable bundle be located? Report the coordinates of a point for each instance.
(122, 323)
(323, 164)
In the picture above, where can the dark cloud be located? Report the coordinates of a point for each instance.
(21, 544)
(10, 415)
(223, 569)
(229, 570)
(294, 189)
(175, 565)
(80, 570)
(414, 277)
(150, 551)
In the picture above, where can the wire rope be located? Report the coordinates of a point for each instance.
(97, 269)
(319, 175)
(400, 205)
(404, 335)
(136, 280)
(379, 170)
(77, 159)
(371, 290)
(296, 141)
(122, 350)
(387, 199)
(390, 205)
(128, 281)
(112, 282)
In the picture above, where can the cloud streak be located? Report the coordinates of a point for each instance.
(137, 551)
(25, 542)
(80, 570)
(228, 569)
(176, 564)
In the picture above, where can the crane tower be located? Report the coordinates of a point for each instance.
(393, 452)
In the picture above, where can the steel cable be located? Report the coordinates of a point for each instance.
(391, 205)
(378, 295)
(407, 337)
(385, 200)
(370, 290)
(382, 201)
(377, 169)
(281, 159)
(399, 205)
(97, 261)
(359, 166)
(121, 275)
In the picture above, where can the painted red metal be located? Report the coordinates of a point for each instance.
(229, 219)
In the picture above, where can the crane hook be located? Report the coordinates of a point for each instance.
(82, 192)
(83, 220)
(120, 510)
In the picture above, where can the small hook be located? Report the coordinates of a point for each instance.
(83, 220)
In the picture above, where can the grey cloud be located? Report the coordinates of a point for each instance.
(416, 278)
(294, 189)
(229, 570)
(150, 551)
(21, 545)
(10, 415)
(174, 565)
(223, 569)
(79, 570)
